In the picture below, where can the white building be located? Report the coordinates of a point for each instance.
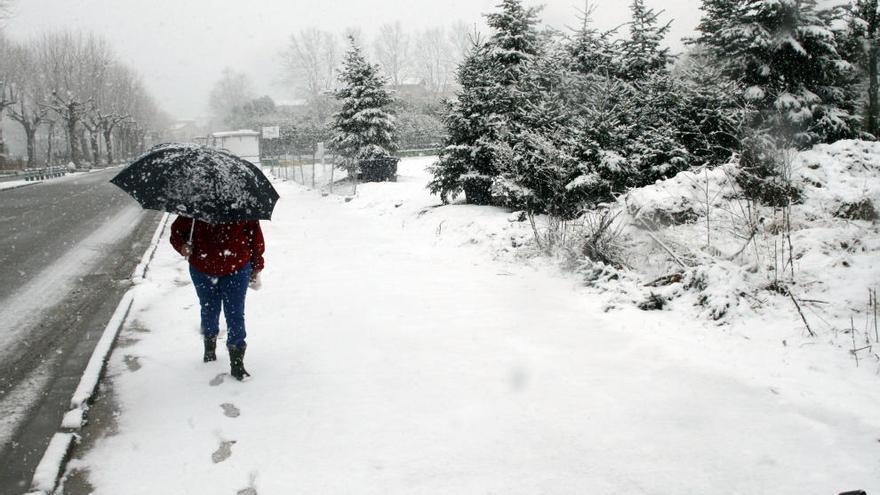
(244, 143)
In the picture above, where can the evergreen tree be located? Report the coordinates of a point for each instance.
(537, 168)
(363, 129)
(641, 54)
(514, 40)
(466, 161)
(710, 112)
(860, 44)
(785, 55)
(718, 15)
(489, 106)
(590, 51)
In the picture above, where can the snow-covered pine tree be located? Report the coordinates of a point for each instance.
(710, 112)
(514, 41)
(718, 15)
(785, 55)
(537, 167)
(860, 44)
(641, 54)
(602, 131)
(797, 88)
(591, 51)
(363, 129)
(466, 160)
(489, 106)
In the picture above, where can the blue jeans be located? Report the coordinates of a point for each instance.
(227, 291)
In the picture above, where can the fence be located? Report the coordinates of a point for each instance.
(307, 166)
(310, 171)
(44, 173)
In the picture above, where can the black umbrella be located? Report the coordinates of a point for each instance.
(207, 184)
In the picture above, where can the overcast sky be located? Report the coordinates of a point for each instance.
(181, 46)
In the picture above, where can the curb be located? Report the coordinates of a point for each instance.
(54, 460)
(34, 183)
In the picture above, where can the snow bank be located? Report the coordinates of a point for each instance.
(13, 184)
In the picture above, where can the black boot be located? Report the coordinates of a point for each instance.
(210, 349)
(236, 362)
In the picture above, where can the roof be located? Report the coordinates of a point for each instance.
(238, 133)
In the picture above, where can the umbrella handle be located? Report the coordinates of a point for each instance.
(192, 229)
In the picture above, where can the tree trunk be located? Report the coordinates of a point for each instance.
(108, 143)
(30, 133)
(2, 143)
(873, 103)
(96, 152)
(84, 146)
(50, 137)
(71, 142)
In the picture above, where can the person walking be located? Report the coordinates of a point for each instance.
(224, 259)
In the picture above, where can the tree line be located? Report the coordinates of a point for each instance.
(555, 122)
(72, 85)
(417, 65)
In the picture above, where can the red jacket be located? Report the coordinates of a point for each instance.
(223, 248)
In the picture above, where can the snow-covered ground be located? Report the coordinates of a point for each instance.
(396, 347)
(12, 184)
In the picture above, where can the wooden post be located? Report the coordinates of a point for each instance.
(313, 170)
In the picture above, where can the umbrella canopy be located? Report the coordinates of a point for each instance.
(195, 181)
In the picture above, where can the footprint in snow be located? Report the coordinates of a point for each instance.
(132, 362)
(223, 452)
(137, 326)
(250, 490)
(230, 411)
(217, 380)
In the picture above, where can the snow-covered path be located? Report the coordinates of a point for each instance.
(386, 361)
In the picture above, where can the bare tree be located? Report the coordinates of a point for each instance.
(30, 92)
(309, 62)
(98, 60)
(64, 54)
(461, 38)
(392, 47)
(435, 65)
(111, 105)
(6, 72)
(229, 94)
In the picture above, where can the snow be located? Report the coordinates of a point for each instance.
(193, 180)
(835, 258)
(239, 133)
(73, 419)
(141, 269)
(89, 380)
(399, 346)
(12, 184)
(48, 470)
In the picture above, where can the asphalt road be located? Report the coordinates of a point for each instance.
(67, 249)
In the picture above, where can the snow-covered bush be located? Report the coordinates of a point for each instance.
(765, 172)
